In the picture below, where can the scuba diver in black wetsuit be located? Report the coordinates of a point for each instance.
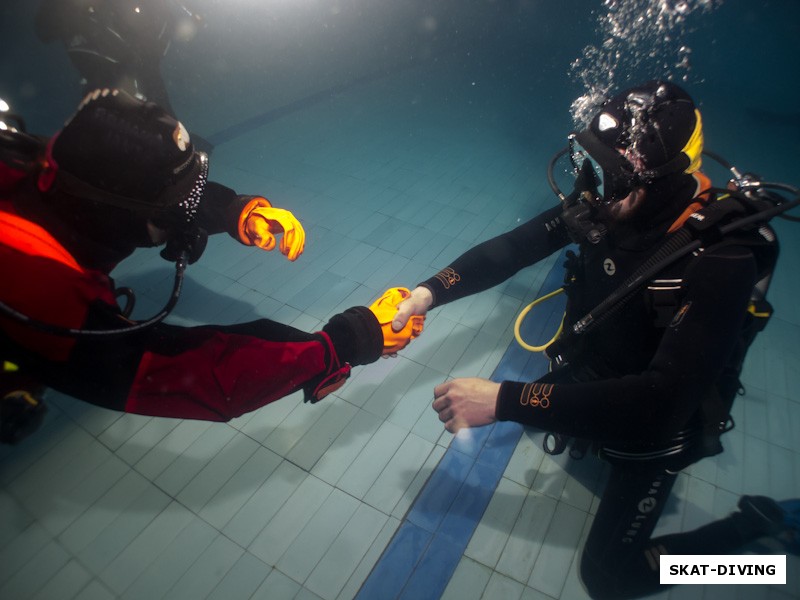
(119, 44)
(113, 43)
(664, 297)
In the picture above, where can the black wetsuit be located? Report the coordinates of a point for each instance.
(636, 384)
(113, 43)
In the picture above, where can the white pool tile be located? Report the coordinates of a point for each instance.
(336, 415)
(494, 529)
(261, 423)
(242, 580)
(120, 574)
(194, 459)
(346, 447)
(429, 427)
(64, 481)
(527, 537)
(66, 583)
(366, 380)
(292, 429)
(287, 523)
(124, 493)
(756, 456)
(317, 536)
(240, 487)
(277, 586)
(345, 553)
(700, 497)
(170, 565)
(21, 549)
(426, 348)
(416, 399)
(33, 575)
(15, 519)
(398, 474)
(141, 442)
(552, 475)
(370, 463)
(37, 476)
(386, 396)
(469, 581)
(161, 455)
(196, 494)
(95, 591)
(123, 530)
(59, 511)
(264, 503)
(122, 429)
(208, 570)
(730, 472)
(558, 550)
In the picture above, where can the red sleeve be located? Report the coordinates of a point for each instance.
(227, 375)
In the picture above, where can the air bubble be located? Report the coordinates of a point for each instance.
(638, 36)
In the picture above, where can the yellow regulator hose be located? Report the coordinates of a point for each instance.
(524, 313)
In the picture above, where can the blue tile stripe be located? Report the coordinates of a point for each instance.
(427, 547)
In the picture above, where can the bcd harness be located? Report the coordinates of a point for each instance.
(707, 225)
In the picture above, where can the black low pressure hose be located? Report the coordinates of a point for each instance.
(180, 268)
(551, 177)
(792, 190)
(677, 246)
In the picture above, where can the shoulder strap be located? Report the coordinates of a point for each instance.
(702, 197)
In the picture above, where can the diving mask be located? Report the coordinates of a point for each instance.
(601, 170)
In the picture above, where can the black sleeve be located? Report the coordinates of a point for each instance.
(495, 260)
(659, 401)
(220, 209)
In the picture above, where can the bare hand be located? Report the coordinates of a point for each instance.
(418, 304)
(466, 402)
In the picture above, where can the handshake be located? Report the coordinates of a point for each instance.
(400, 312)
(401, 315)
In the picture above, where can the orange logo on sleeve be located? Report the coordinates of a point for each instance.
(448, 277)
(536, 395)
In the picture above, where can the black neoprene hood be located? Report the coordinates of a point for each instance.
(658, 117)
(126, 151)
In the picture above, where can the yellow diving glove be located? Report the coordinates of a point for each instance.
(384, 308)
(260, 222)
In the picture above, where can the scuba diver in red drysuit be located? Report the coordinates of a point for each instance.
(123, 174)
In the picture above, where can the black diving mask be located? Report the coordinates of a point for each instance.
(616, 175)
(600, 170)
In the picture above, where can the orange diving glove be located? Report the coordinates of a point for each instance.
(384, 308)
(259, 223)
